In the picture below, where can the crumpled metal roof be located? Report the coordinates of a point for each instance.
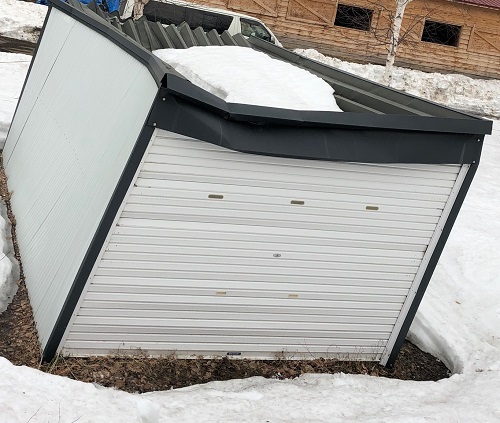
(155, 36)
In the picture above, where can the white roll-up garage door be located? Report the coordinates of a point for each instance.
(218, 252)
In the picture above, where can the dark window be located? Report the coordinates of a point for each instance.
(441, 33)
(353, 17)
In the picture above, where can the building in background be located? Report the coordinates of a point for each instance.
(440, 35)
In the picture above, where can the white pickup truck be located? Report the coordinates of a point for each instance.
(176, 11)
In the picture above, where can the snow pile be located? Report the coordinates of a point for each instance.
(21, 20)
(478, 96)
(243, 75)
(13, 68)
(29, 395)
(331, 399)
(8, 286)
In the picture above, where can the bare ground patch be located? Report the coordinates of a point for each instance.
(142, 374)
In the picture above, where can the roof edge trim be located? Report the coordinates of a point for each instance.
(315, 142)
(185, 89)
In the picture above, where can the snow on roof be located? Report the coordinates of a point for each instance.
(243, 75)
(485, 3)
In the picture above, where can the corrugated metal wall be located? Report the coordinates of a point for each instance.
(82, 110)
(218, 251)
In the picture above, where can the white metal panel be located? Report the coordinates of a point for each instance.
(423, 267)
(54, 38)
(218, 251)
(85, 104)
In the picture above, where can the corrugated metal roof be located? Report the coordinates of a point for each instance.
(484, 3)
(154, 35)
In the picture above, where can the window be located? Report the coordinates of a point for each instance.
(353, 17)
(441, 33)
(254, 28)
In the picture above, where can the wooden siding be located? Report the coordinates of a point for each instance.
(255, 7)
(309, 24)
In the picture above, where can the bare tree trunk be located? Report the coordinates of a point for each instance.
(139, 8)
(394, 42)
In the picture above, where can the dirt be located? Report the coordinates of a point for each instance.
(143, 374)
(12, 45)
(139, 373)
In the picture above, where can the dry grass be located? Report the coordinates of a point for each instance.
(142, 374)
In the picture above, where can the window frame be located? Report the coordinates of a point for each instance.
(458, 36)
(352, 6)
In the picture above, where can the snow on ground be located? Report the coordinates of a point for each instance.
(479, 96)
(256, 79)
(458, 321)
(29, 395)
(8, 286)
(21, 20)
(13, 67)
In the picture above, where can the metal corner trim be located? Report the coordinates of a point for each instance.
(432, 264)
(98, 240)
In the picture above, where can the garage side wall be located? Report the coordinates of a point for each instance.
(218, 252)
(81, 112)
